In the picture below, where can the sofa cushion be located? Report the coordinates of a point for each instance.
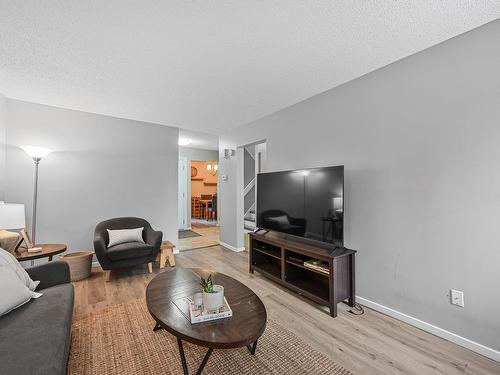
(129, 250)
(8, 260)
(36, 336)
(12, 291)
(9, 240)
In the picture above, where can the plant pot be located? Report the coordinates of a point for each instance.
(212, 302)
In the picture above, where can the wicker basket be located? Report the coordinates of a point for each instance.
(80, 264)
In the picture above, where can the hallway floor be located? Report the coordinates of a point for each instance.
(209, 236)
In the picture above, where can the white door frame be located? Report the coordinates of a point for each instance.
(182, 194)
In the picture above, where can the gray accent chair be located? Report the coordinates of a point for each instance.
(126, 254)
(35, 338)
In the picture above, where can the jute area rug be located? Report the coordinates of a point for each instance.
(120, 340)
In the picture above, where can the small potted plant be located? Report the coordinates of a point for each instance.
(213, 295)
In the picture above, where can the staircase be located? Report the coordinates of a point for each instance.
(253, 164)
(250, 220)
(249, 190)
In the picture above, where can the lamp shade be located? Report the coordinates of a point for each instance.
(36, 152)
(12, 216)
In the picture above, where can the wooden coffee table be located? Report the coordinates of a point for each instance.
(243, 329)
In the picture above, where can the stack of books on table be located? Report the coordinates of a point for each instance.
(196, 314)
(317, 265)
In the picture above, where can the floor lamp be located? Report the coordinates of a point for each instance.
(37, 154)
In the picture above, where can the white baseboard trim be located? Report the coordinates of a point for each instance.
(232, 248)
(447, 335)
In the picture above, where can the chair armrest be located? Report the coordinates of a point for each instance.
(50, 274)
(100, 245)
(100, 249)
(153, 237)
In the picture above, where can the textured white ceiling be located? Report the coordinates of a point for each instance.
(199, 140)
(210, 65)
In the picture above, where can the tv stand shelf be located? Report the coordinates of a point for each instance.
(295, 264)
(268, 252)
(281, 257)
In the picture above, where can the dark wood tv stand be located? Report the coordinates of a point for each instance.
(280, 257)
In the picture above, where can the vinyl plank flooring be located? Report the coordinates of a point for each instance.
(95, 291)
(209, 236)
(369, 344)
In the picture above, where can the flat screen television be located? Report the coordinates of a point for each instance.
(306, 203)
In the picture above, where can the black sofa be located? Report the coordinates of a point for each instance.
(35, 338)
(126, 254)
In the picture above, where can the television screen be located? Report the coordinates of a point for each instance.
(307, 203)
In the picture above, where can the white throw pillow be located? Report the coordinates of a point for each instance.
(125, 235)
(13, 293)
(10, 261)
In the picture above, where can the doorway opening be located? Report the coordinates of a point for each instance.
(204, 193)
(198, 203)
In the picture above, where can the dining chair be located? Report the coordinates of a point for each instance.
(204, 207)
(212, 209)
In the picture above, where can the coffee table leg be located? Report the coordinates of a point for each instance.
(204, 362)
(183, 359)
(156, 327)
(252, 348)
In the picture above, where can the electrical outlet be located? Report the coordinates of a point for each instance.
(457, 297)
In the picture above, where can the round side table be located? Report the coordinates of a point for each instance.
(48, 251)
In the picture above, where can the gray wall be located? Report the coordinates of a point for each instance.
(196, 155)
(420, 143)
(103, 167)
(3, 115)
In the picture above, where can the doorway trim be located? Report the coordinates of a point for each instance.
(182, 194)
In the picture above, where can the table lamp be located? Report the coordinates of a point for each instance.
(12, 217)
(37, 154)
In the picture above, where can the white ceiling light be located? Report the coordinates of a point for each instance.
(184, 141)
